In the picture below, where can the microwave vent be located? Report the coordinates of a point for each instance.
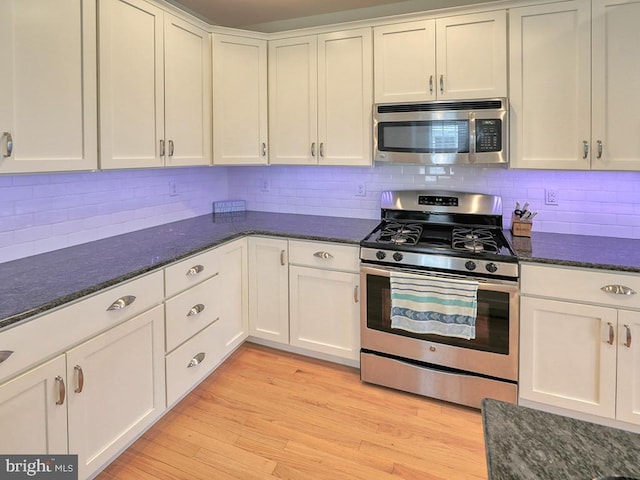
(497, 104)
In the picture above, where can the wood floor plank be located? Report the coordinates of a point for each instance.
(271, 414)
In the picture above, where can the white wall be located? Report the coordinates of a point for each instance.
(40, 213)
(589, 203)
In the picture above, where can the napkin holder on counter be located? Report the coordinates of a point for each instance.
(520, 228)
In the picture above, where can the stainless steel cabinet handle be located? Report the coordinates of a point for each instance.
(62, 391)
(79, 379)
(282, 252)
(612, 335)
(162, 151)
(323, 254)
(430, 83)
(441, 83)
(585, 149)
(618, 290)
(195, 270)
(171, 148)
(321, 150)
(313, 149)
(122, 302)
(196, 360)
(195, 310)
(264, 149)
(356, 294)
(7, 142)
(4, 354)
(627, 342)
(599, 155)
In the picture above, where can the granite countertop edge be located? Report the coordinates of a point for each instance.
(167, 245)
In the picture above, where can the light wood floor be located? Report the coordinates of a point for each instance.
(266, 413)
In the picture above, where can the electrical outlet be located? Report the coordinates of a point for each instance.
(264, 185)
(551, 196)
(361, 190)
(173, 188)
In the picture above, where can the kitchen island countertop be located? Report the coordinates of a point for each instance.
(526, 444)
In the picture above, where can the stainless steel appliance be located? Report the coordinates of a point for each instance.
(442, 132)
(449, 236)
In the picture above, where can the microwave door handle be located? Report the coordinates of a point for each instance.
(472, 137)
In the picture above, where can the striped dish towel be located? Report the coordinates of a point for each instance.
(431, 305)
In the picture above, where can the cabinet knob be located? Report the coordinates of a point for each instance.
(323, 255)
(79, 379)
(264, 149)
(356, 296)
(195, 270)
(441, 83)
(585, 149)
(599, 147)
(618, 290)
(62, 391)
(627, 342)
(162, 150)
(612, 335)
(431, 84)
(195, 310)
(313, 149)
(171, 148)
(7, 144)
(121, 303)
(196, 360)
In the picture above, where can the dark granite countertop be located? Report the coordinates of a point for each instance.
(526, 444)
(39, 283)
(33, 285)
(607, 253)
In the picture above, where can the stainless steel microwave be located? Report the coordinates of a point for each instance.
(442, 132)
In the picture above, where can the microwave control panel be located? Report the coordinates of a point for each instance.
(488, 135)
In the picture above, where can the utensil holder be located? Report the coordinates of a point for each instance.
(519, 228)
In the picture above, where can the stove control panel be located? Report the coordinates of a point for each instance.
(437, 200)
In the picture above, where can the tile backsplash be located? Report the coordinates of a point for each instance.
(44, 212)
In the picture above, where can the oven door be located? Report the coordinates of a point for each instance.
(493, 352)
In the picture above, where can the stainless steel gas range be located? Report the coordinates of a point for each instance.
(439, 281)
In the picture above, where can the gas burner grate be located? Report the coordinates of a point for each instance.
(476, 240)
(400, 233)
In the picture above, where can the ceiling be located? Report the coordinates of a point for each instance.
(278, 15)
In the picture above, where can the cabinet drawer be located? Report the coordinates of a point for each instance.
(191, 311)
(582, 285)
(189, 272)
(187, 365)
(324, 255)
(33, 341)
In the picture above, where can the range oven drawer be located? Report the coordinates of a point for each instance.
(452, 387)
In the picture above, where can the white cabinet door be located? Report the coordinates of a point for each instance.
(479, 71)
(293, 100)
(33, 411)
(187, 71)
(550, 85)
(615, 141)
(131, 84)
(115, 389)
(48, 119)
(628, 406)
(345, 97)
(269, 289)
(234, 320)
(405, 62)
(566, 359)
(325, 311)
(239, 100)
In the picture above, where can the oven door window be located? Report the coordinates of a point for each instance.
(492, 320)
(429, 136)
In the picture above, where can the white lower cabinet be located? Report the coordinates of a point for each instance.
(33, 411)
(305, 294)
(577, 351)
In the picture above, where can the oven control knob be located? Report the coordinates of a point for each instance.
(397, 256)
(470, 265)
(492, 267)
(380, 255)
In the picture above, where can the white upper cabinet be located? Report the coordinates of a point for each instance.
(48, 119)
(461, 57)
(574, 96)
(142, 123)
(239, 100)
(320, 98)
(615, 143)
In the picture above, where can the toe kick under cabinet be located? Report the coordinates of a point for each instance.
(305, 295)
(204, 315)
(87, 378)
(580, 343)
